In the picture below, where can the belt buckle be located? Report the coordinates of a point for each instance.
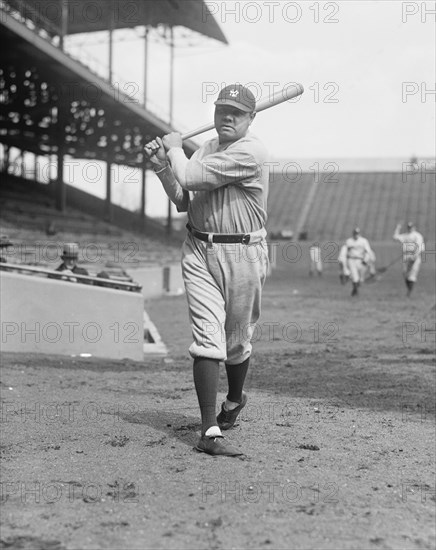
(245, 239)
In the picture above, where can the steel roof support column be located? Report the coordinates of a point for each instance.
(171, 39)
(6, 156)
(145, 65)
(108, 212)
(171, 75)
(64, 23)
(61, 197)
(51, 179)
(111, 38)
(23, 165)
(35, 167)
(143, 193)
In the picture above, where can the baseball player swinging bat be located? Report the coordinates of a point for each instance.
(225, 289)
(288, 92)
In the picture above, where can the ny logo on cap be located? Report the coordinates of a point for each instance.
(234, 93)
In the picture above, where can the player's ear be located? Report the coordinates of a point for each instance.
(252, 116)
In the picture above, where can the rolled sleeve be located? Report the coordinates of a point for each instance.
(214, 171)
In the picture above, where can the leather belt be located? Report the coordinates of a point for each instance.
(226, 238)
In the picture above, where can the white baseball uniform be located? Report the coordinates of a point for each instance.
(370, 268)
(342, 260)
(358, 253)
(224, 188)
(413, 247)
(315, 259)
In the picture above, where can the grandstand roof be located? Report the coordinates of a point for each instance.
(37, 76)
(99, 15)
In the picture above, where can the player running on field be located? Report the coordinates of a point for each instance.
(358, 253)
(413, 247)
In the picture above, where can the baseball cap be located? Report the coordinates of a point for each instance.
(71, 250)
(237, 96)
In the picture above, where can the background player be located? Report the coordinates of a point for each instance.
(358, 253)
(413, 247)
(315, 259)
(344, 272)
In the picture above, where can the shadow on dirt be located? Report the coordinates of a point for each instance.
(31, 543)
(93, 364)
(167, 422)
(399, 383)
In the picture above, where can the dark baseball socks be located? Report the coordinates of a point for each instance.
(206, 376)
(236, 377)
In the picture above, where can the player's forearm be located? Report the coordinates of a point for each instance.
(396, 236)
(173, 189)
(178, 161)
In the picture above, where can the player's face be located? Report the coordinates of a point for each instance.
(231, 123)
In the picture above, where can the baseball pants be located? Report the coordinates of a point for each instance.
(356, 269)
(411, 268)
(223, 285)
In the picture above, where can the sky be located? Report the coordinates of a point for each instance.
(368, 69)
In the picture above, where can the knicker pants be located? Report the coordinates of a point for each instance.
(223, 285)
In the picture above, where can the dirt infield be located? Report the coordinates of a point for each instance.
(339, 432)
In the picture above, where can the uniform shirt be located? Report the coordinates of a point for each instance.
(358, 248)
(222, 187)
(413, 244)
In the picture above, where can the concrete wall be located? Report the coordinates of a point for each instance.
(40, 315)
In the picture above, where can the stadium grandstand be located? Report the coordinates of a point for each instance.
(327, 205)
(308, 205)
(55, 106)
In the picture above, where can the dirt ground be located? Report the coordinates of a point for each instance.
(339, 432)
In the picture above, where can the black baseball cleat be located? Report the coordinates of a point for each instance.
(227, 419)
(216, 446)
(355, 290)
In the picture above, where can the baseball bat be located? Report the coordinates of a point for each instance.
(386, 267)
(381, 270)
(289, 92)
